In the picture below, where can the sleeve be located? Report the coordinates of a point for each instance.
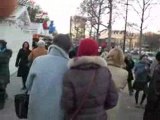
(135, 69)
(132, 66)
(18, 58)
(30, 57)
(67, 95)
(157, 81)
(4, 58)
(112, 95)
(31, 76)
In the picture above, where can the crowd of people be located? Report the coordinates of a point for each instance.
(81, 83)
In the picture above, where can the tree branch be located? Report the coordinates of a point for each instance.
(139, 4)
(148, 14)
(104, 25)
(136, 11)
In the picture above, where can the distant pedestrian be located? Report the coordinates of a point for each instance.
(52, 27)
(119, 75)
(5, 55)
(73, 52)
(45, 81)
(22, 63)
(141, 72)
(104, 54)
(39, 51)
(129, 67)
(152, 109)
(88, 89)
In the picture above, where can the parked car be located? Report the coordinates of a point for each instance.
(151, 55)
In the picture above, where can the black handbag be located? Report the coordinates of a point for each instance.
(21, 105)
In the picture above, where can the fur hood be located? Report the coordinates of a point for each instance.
(87, 60)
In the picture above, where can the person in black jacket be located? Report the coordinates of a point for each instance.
(22, 63)
(5, 55)
(152, 109)
(129, 67)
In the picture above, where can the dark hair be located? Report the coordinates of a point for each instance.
(142, 56)
(24, 43)
(3, 42)
(158, 56)
(63, 41)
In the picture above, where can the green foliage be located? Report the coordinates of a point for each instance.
(32, 12)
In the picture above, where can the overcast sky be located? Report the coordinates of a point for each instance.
(61, 10)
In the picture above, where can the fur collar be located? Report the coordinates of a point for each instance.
(87, 60)
(55, 50)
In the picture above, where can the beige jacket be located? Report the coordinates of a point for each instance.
(119, 76)
(39, 51)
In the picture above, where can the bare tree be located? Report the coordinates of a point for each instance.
(144, 13)
(94, 9)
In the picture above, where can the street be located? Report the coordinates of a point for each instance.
(128, 110)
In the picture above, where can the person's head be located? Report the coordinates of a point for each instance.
(25, 45)
(116, 56)
(52, 22)
(88, 47)
(41, 43)
(158, 57)
(3, 44)
(63, 41)
(129, 56)
(143, 58)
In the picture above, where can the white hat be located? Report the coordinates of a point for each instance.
(41, 43)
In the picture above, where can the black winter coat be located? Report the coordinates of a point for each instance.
(22, 62)
(4, 67)
(152, 110)
(129, 67)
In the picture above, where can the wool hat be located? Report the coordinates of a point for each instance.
(88, 47)
(3, 42)
(63, 41)
(41, 43)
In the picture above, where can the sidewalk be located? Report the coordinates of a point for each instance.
(8, 113)
(127, 112)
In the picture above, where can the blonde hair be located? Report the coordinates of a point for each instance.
(116, 56)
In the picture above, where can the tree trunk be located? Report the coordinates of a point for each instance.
(97, 32)
(130, 44)
(98, 25)
(141, 29)
(90, 33)
(110, 25)
(71, 27)
(125, 30)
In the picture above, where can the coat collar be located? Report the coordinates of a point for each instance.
(57, 51)
(87, 60)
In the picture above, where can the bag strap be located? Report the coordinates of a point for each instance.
(85, 97)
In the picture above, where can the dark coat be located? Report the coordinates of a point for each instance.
(22, 62)
(102, 96)
(129, 67)
(4, 66)
(141, 76)
(152, 110)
